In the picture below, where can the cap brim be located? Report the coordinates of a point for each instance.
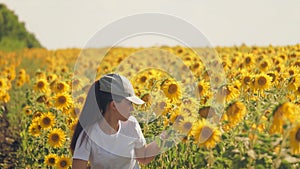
(135, 100)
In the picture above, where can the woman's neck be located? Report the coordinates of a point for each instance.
(109, 124)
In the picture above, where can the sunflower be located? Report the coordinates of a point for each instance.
(72, 125)
(216, 80)
(297, 91)
(291, 71)
(3, 84)
(146, 97)
(208, 112)
(47, 120)
(56, 137)
(274, 77)
(190, 105)
(293, 82)
(297, 63)
(205, 134)
(264, 65)
(5, 97)
(203, 87)
(34, 129)
(22, 72)
(39, 74)
(161, 106)
(246, 80)
(227, 93)
(63, 101)
(185, 125)
(41, 85)
(61, 87)
(75, 110)
(176, 116)
(27, 110)
(179, 50)
(76, 84)
(63, 162)
(51, 77)
(249, 60)
(80, 99)
(234, 114)
(295, 140)
(51, 159)
(262, 81)
(172, 90)
(141, 79)
(282, 115)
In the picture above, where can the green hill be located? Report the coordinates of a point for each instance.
(13, 34)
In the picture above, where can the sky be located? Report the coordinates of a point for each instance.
(61, 24)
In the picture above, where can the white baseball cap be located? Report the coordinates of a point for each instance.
(119, 85)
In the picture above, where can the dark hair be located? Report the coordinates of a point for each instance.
(93, 110)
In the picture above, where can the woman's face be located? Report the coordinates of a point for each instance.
(124, 108)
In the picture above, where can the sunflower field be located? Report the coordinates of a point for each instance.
(246, 117)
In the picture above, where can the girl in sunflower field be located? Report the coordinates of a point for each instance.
(106, 135)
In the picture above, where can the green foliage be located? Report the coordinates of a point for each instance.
(13, 34)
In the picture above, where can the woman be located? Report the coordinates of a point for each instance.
(106, 134)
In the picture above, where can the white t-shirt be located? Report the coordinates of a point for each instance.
(111, 151)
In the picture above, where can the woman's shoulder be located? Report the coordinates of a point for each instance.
(131, 122)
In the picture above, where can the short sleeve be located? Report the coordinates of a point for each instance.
(140, 141)
(83, 148)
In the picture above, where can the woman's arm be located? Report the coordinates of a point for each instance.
(147, 153)
(79, 164)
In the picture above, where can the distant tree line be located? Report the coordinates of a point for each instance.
(13, 34)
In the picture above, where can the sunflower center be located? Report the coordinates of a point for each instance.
(262, 81)
(200, 88)
(63, 163)
(247, 80)
(46, 120)
(291, 72)
(143, 79)
(278, 69)
(225, 91)
(40, 85)
(75, 82)
(204, 112)
(264, 64)
(51, 160)
(217, 80)
(187, 125)
(60, 86)
(273, 76)
(80, 99)
(146, 97)
(298, 89)
(55, 137)
(187, 101)
(162, 105)
(63, 70)
(179, 118)
(1, 84)
(41, 99)
(248, 60)
(62, 99)
(207, 112)
(206, 132)
(195, 66)
(179, 51)
(172, 88)
(49, 78)
(298, 135)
